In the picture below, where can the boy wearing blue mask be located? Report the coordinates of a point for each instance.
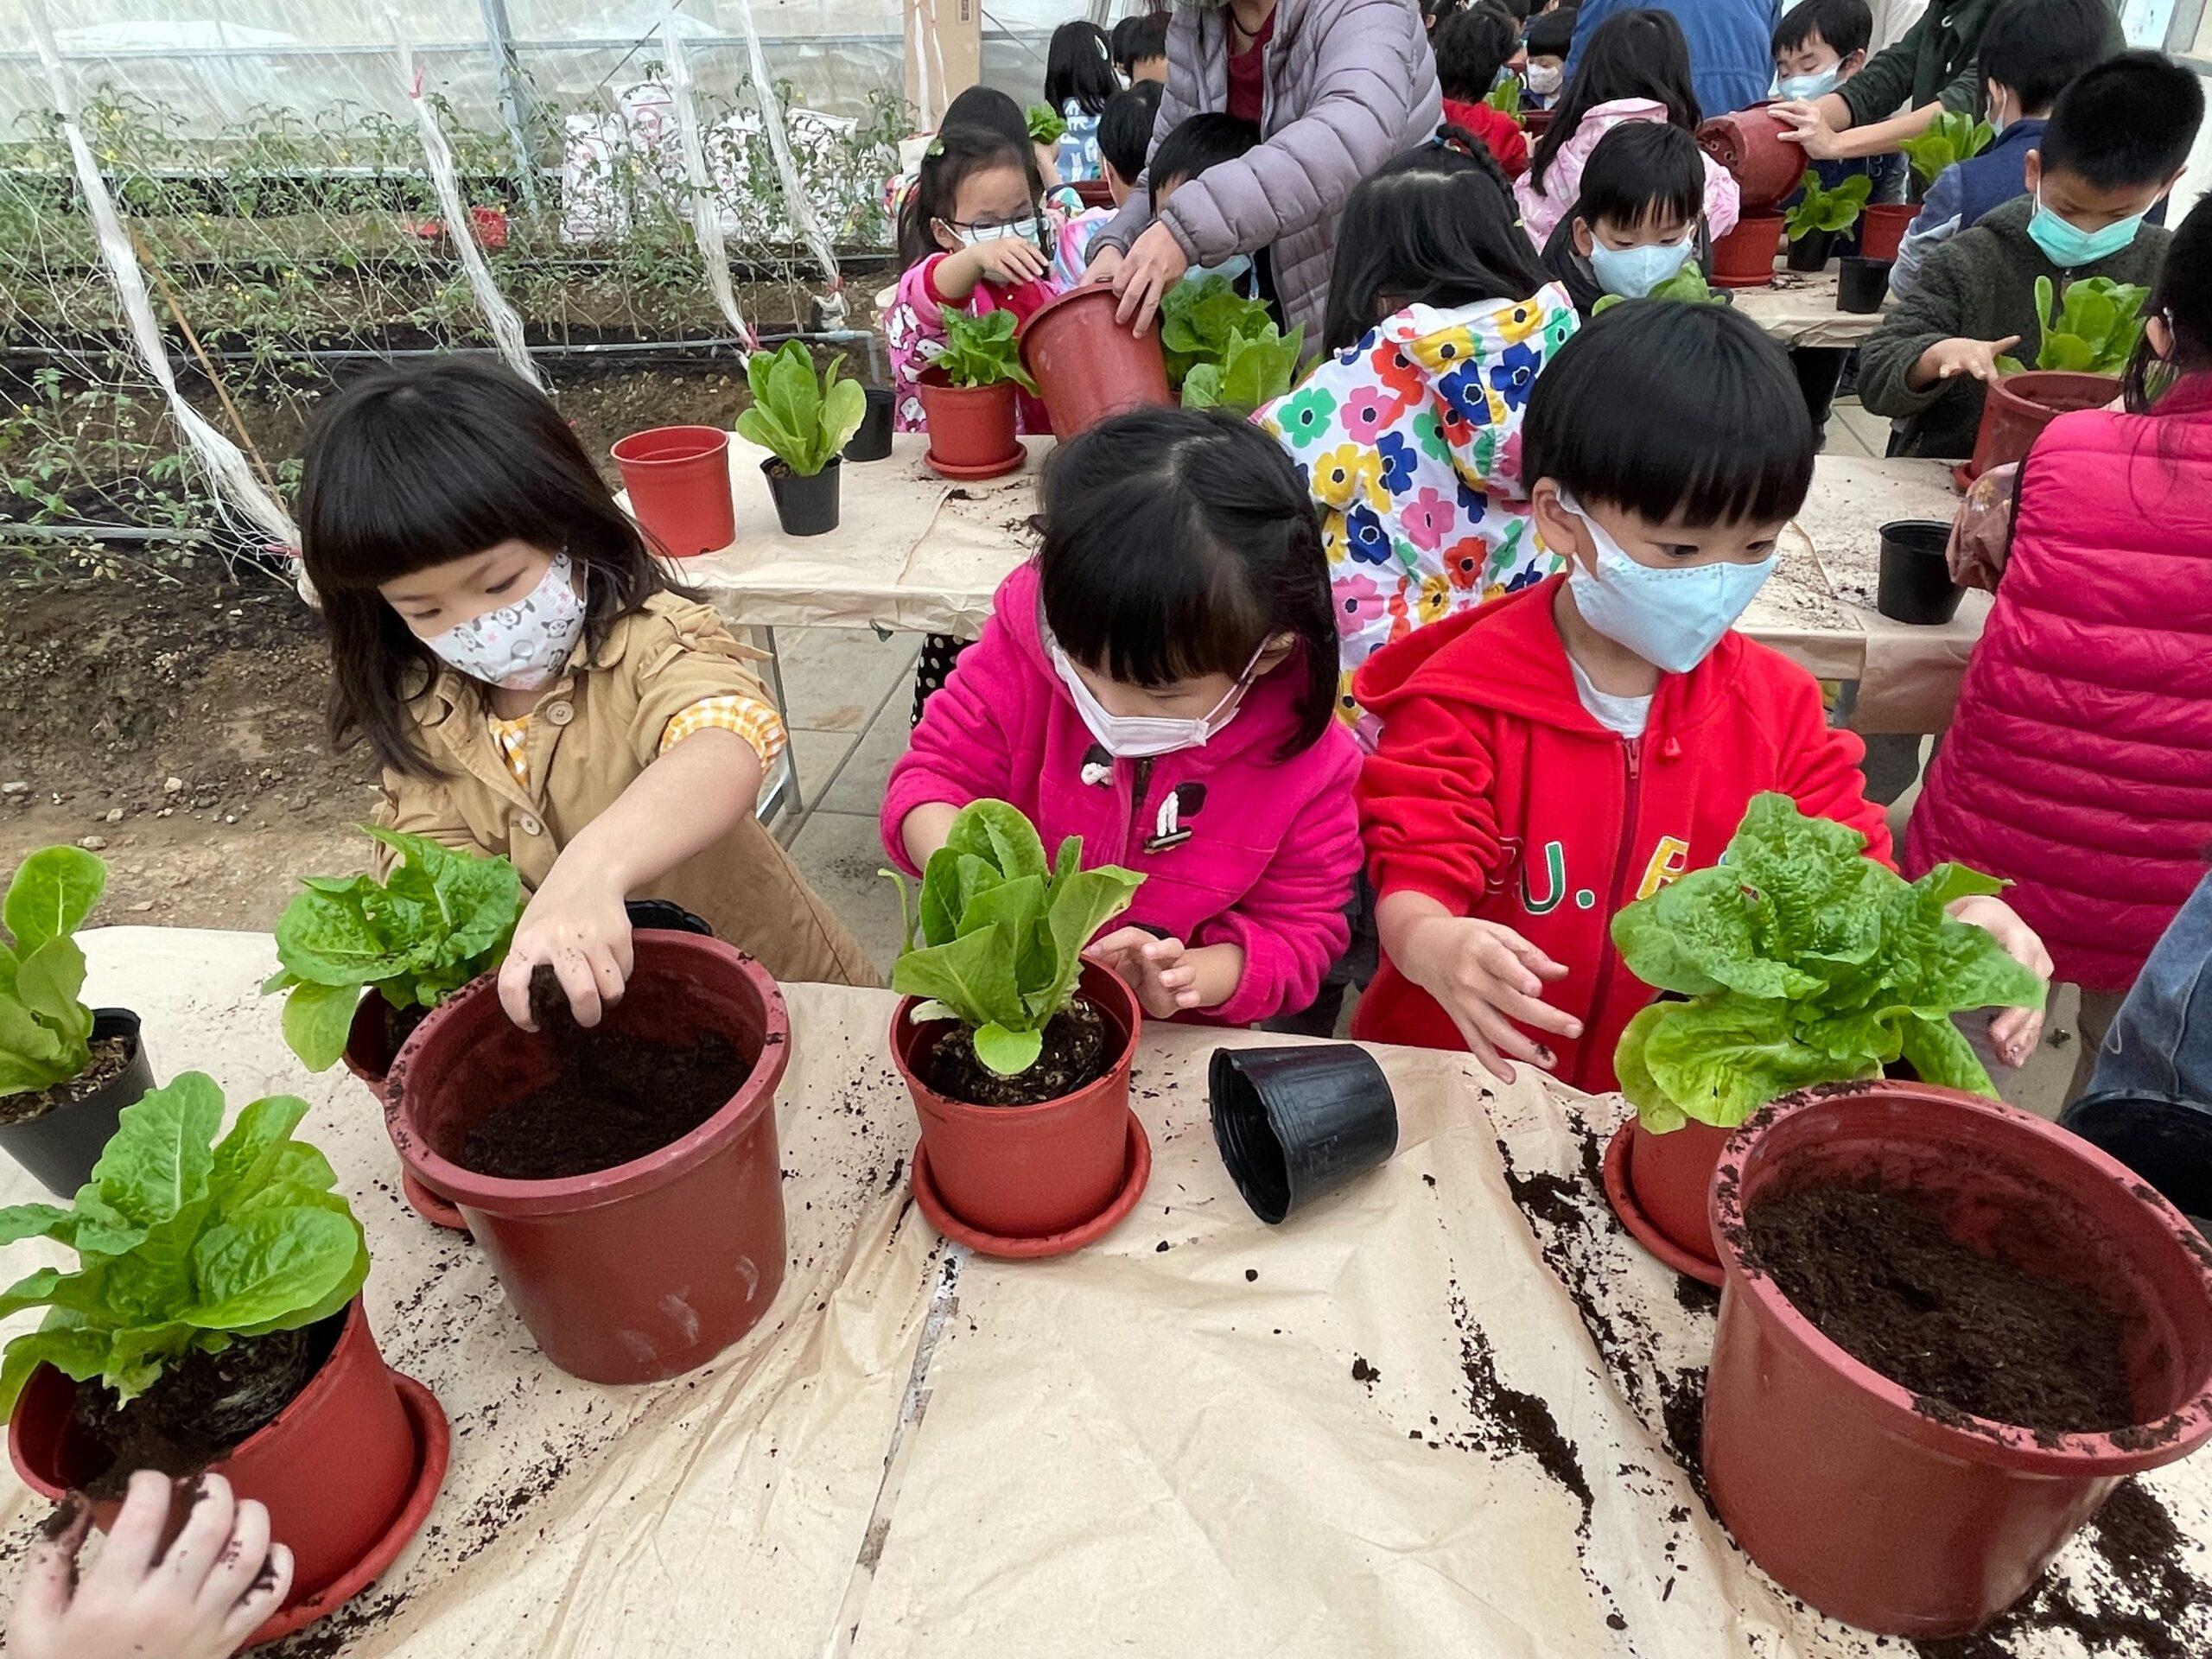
(1818, 45)
(2115, 143)
(1639, 220)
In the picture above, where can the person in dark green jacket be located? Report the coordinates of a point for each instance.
(1931, 68)
(2116, 141)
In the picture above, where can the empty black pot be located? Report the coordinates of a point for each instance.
(805, 506)
(1915, 582)
(2163, 1138)
(1294, 1123)
(1809, 252)
(1862, 284)
(872, 440)
(60, 1147)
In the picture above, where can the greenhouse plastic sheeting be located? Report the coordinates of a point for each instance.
(1444, 1411)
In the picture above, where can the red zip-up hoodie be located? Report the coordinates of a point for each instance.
(1496, 794)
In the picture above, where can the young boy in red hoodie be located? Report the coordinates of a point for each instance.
(1472, 47)
(1551, 757)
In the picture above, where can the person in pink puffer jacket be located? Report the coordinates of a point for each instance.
(1161, 682)
(1636, 68)
(2079, 766)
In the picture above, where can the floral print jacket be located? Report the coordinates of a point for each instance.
(1410, 441)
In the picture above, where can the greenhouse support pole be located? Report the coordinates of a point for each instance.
(500, 35)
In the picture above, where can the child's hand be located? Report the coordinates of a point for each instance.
(1103, 267)
(1159, 970)
(577, 923)
(1485, 976)
(221, 1579)
(1947, 360)
(2013, 1032)
(1007, 263)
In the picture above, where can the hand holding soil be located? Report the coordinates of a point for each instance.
(579, 930)
(197, 1600)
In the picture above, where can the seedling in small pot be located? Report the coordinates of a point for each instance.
(1820, 210)
(1951, 138)
(804, 421)
(1687, 285)
(980, 351)
(2093, 329)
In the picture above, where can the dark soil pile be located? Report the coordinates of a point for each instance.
(111, 1055)
(615, 1097)
(201, 1406)
(1880, 1276)
(1076, 1053)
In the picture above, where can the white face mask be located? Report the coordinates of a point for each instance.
(1672, 619)
(1543, 79)
(1139, 737)
(519, 647)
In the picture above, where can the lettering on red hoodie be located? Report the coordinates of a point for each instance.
(1497, 794)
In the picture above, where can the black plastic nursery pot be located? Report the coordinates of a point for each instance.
(806, 505)
(1915, 585)
(2163, 1138)
(1861, 284)
(1809, 252)
(872, 440)
(61, 1144)
(1295, 1124)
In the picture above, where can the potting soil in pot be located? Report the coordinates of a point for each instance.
(615, 1098)
(1076, 1053)
(201, 1405)
(1884, 1278)
(110, 1057)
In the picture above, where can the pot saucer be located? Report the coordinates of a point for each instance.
(428, 1205)
(974, 475)
(1031, 1250)
(1641, 1228)
(433, 1450)
(1766, 281)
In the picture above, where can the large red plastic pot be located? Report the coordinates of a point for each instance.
(1882, 228)
(1087, 366)
(971, 427)
(1750, 145)
(1028, 1172)
(643, 1271)
(1744, 258)
(1878, 1512)
(344, 1468)
(2015, 410)
(678, 480)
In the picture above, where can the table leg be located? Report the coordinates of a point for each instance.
(786, 800)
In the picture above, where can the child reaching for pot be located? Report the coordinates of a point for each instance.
(1551, 758)
(1160, 682)
(533, 686)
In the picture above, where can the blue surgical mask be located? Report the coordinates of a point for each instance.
(1814, 85)
(1671, 617)
(1634, 272)
(2066, 244)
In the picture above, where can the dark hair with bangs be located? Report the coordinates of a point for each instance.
(2182, 295)
(2033, 47)
(1472, 47)
(416, 465)
(1550, 33)
(1079, 67)
(1178, 542)
(955, 156)
(1435, 225)
(1199, 143)
(2127, 122)
(1662, 408)
(1642, 172)
(987, 106)
(1125, 131)
(1844, 26)
(1139, 40)
(1631, 54)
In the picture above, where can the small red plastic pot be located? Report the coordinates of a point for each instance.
(1669, 1177)
(1873, 1511)
(1534, 123)
(1094, 193)
(348, 1471)
(971, 427)
(1087, 366)
(678, 480)
(1882, 228)
(368, 1056)
(646, 1270)
(1027, 1172)
(1744, 258)
(2015, 410)
(1750, 145)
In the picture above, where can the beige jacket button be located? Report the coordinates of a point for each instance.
(560, 713)
(529, 825)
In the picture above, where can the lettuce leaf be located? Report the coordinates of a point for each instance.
(45, 1028)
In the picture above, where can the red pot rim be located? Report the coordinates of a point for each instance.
(711, 441)
(1098, 984)
(2016, 390)
(937, 380)
(755, 1095)
(1073, 299)
(49, 1490)
(2172, 1436)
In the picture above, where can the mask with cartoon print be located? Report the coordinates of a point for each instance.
(519, 647)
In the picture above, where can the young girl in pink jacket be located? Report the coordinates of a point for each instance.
(1161, 680)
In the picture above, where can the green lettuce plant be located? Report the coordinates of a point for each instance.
(1046, 126)
(444, 918)
(1254, 369)
(46, 1030)
(1002, 933)
(1821, 209)
(1803, 962)
(2094, 329)
(802, 420)
(1688, 285)
(184, 1244)
(1952, 137)
(1199, 321)
(1505, 97)
(982, 350)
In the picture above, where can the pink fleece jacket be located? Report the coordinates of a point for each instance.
(1234, 845)
(1543, 206)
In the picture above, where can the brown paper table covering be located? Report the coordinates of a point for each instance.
(1799, 309)
(1447, 1411)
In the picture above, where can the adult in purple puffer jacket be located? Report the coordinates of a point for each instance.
(1336, 86)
